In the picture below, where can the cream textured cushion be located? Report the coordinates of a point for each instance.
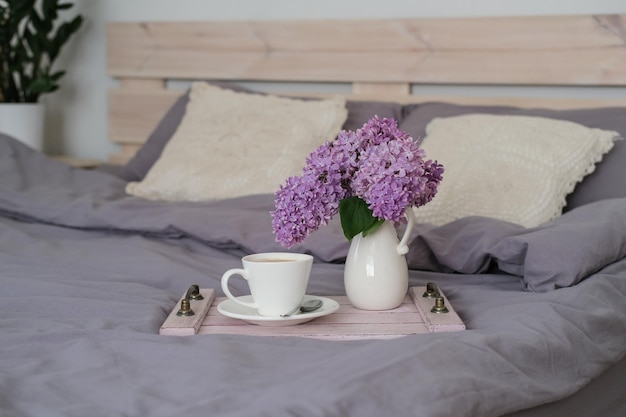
(231, 144)
(513, 168)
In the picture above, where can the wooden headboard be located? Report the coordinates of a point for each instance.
(381, 59)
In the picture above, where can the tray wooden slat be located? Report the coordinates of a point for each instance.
(413, 316)
(176, 325)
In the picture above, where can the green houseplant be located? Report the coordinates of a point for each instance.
(31, 38)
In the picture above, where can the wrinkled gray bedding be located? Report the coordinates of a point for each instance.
(88, 274)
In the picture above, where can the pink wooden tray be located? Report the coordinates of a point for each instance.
(413, 316)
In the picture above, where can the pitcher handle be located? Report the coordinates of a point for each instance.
(403, 247)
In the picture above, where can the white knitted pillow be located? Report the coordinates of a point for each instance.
(231, 144)
(513, 168)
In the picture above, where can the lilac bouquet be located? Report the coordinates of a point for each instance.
(367, 176)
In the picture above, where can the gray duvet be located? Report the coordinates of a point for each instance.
(88, 274)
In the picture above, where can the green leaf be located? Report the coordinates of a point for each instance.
(356, 217)
(374, 227)
(62, 35)
(56, 76)
(64, 6)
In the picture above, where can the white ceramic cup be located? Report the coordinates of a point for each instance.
(277, 281)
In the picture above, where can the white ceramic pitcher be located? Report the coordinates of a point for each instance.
(376, 275)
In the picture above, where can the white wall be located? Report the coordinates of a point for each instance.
(76, 114)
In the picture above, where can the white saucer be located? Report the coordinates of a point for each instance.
(232, 309)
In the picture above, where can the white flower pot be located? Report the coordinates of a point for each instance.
(24, 122)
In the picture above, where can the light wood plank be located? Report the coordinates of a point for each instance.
(124, 155)
(142, 84)
(134, 113)
(176, 325)
(563, 50)
(413, 316)
(333, 331)
(436, 322)
(562, 103)
(384, 89)
(74, 162)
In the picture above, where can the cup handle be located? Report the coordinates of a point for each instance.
(226, 277)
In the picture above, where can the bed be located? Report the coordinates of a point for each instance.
(91, 263)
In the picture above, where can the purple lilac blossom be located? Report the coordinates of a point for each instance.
(389, 177)
(433, 174)
(304, 204)
(379, 163)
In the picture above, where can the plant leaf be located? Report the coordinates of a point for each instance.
(374, 227)
(356, 217)
(30, 41)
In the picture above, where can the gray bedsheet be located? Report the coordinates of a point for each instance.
(88, 274)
